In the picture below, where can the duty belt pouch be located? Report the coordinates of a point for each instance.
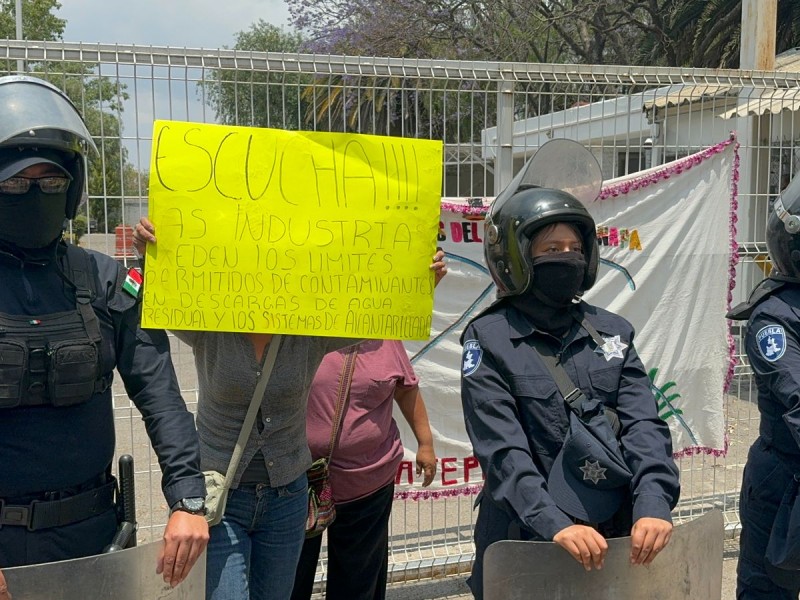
(218, 484)
(54, 359)
(782, 557)
(13, 371)
(72, 373)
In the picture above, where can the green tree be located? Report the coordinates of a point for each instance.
(560, 31)
(99, 99)
(707, 33)
(38, 20)
(258, 98)
(580, 31)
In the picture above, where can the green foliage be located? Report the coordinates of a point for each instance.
(80, 227)
(38, 20)
(707, 33)
(99, 99)
(258, 98)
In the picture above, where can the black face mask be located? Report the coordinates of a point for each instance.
(33, 219)
(557, 278)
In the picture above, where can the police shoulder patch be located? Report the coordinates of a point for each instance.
(771, 342)
(471, 357)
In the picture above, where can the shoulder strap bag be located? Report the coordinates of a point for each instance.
(321, 507)
(218, 484)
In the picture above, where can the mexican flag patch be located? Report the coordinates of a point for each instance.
(133, 282)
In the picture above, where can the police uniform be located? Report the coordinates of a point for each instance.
(772, 343)
(534, 342)
(52, 454)
(517, 419)
(66, 322)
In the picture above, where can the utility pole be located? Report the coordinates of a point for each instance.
(18, 15)
(756, 53)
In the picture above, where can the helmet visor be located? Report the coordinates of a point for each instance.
(561, 165)
(567, 166)
(35, 109)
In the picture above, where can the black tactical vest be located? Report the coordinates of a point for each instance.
(54, 359)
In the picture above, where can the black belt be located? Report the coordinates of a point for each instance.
(44, 514)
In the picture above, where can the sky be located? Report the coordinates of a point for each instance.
(181, 23)
(177, 23)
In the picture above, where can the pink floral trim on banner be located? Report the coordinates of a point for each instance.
(467, 206)
(695, 450)
(423, 494)
(480, 206)
(675, 168)
(734, 259)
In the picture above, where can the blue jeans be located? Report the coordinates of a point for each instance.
(253, 552)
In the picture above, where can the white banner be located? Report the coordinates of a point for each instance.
(667, 250)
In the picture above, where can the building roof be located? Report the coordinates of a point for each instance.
(764, 101)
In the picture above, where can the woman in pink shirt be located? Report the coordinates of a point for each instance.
(363, 465)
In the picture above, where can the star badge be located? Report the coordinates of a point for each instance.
(592, 471)
(613, 348)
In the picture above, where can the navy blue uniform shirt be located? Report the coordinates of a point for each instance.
(517, 419)
(44, 448)
(772, 343)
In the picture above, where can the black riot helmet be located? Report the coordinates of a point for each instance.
(783, 231)
(38, 121)
(546, 191)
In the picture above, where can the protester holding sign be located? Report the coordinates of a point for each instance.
(363, 463)
(557, 467)
(253, 552)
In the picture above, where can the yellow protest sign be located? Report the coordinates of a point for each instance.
(265, 230)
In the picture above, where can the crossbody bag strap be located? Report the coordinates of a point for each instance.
(343, 397)
(596, 337)
(255, 403)
(573, 396)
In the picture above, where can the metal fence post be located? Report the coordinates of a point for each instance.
(504, 155)
(18, 18)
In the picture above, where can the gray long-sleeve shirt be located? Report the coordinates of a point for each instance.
(227, 372)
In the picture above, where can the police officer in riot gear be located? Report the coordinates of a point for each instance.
(541, 250)
(68, 318)
(772, 343)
